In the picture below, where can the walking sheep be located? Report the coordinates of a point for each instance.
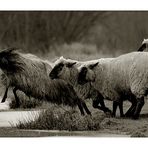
(30, 75)
(118, 78)
(6, 83)
(66, 69)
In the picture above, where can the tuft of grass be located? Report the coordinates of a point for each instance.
(62, 119)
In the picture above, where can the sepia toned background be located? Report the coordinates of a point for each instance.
(73, 32)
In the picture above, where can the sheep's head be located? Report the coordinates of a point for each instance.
(86, 73)
(10, 60)
(61, 68)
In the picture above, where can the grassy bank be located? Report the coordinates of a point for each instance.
(63, 118)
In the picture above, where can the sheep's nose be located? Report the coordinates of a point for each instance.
(81, 77)
(52, 76)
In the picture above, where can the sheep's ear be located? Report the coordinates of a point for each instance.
(70, 64)
(142, 47)
(93, 65)
(61, 58)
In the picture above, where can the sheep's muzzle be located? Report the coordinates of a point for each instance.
(52, 75)
(82, 76)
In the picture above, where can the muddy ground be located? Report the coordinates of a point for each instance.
(134, 128)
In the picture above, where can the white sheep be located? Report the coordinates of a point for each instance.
(66, 69)
(119, 78)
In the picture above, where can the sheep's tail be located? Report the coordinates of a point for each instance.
(11, 55)
(142, 47)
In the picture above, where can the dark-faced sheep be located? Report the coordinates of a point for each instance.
(30, 75)
(66, 69)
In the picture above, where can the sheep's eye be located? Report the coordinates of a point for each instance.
(84, 70)
(60, 68)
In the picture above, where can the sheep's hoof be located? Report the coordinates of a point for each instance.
(2, 101)
(128, 115)
(89, 114)
(82, 114)
(108, 114)
(108, 111)
(122, 116)
(135, 117)
(113, 115)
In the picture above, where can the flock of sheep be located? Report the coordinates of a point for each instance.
(70, 82)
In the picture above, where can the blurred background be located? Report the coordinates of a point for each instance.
(73, 34)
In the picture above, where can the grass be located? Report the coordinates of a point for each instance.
(62, 118)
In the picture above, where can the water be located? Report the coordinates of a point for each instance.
(9, 118)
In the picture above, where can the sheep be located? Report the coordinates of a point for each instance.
(115, 103)
(5, 80)
(66, 69)
(119, 77)
(29, 74)
(141, 48)
(82, 81)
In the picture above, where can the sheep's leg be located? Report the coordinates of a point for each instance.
(102, 107)
(86, 108)
(131, 110)
(5, 95)
(139, 106)
(115, 105)
(80, 106)
(16, 98)
(121, 109)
